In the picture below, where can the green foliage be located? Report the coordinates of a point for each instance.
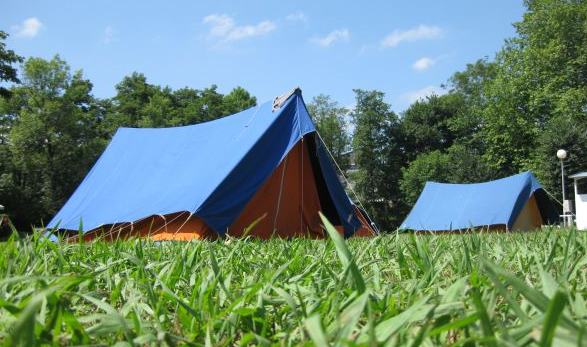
(433, 124)
(377, 148)
(457, 165)
(472, 82)
(330, 122)
(510, 130)
(238, 100)
(7, 71)
(140, 104)
(51, 140)
(541, 75)
(560, 132)
(515, 289)
(433, 166)
(471, 85)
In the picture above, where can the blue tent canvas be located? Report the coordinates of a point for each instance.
(513, 203)
(263, 166)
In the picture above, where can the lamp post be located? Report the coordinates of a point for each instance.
(561, 154)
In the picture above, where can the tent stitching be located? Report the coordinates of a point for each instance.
(280, 192)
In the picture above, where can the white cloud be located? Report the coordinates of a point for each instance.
(332, 37)
(421, 94)
(297, 17)
(29, 28)
(109, 35)
(224, 28)
(423, 64)
(422, 32)
(221, 24)
(260, 29)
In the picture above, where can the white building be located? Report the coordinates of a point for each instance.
(580, 199)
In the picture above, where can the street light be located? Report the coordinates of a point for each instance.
(561, 154)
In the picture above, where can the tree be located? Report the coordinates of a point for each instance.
(330, 122)
(7, 72)
(158, 111)
(431, 166)
(471, 86)
(428, 125)
(133, 94)
(138, 103)
(541, 74)
(192, 106)
(52, 140)
(209, 104)
(565, 133)
(238, 100)
(376, 143)
(456, 165)
(472, 82)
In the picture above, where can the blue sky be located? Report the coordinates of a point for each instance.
(405, 49)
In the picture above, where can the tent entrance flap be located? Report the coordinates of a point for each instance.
(328, 207)
(529, 217)
(287, 204)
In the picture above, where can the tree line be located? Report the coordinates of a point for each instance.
(498, 117)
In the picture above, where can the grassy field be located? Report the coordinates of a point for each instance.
(403, 290)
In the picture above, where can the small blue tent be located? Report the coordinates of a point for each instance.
(513, 203)
(212, 173)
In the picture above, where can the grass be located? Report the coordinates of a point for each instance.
(398, 290)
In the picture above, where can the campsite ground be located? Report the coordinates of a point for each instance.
(489, 289)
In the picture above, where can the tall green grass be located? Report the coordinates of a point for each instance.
(398, 290)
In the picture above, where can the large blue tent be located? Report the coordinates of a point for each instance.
(509, 203)
(211, 170)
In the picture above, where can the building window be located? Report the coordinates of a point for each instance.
(581, 186)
